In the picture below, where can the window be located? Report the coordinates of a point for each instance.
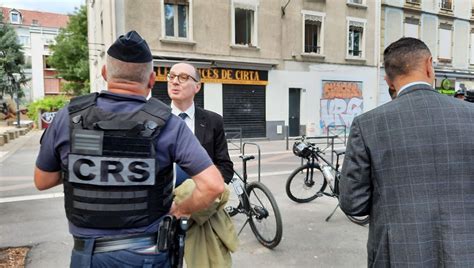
(34, 22)
(355, 38)
(445, 40)
(24, 40)
(411, 28)
(244, 20)
(313, 23)
(176, 14)
(417, 2)
(243, 26)
(15, 17)
(355, 41)
(447, 4)
(46, 63)
(27, 64)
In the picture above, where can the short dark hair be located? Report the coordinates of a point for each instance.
(403, 56)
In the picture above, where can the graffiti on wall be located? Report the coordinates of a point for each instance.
(341, 101)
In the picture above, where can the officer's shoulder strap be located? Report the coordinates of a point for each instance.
(157, 108)
(82, 102)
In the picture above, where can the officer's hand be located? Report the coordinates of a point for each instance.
(175, 211)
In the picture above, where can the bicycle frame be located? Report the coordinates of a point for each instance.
(316, 162)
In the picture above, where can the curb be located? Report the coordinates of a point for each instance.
(13, 146)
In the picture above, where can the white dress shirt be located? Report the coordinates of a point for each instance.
(411, 84)
(189, 120)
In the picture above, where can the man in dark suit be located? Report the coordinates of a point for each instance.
(211, 237)
(183, 84)
(409, 164)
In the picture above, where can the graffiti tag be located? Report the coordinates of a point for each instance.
(340, 104)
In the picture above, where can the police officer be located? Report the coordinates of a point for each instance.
(113, 152)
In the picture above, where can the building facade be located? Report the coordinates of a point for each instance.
(36, 31)
(306, 64)
(446, 26)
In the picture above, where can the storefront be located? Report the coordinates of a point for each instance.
(237, 94)
(448, 82)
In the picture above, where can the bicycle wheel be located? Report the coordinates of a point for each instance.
(305, 184)
(360, 220)
(265, 219)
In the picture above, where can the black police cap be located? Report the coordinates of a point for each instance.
(130, 47)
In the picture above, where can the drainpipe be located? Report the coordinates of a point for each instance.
(377, 42)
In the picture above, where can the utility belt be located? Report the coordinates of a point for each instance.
(169, 239)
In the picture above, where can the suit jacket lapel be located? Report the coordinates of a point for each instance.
(200, 124)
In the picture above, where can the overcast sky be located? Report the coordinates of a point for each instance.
(55, 6)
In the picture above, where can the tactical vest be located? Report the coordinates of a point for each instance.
(113, 180)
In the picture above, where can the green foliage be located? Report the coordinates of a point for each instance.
(48, 104)
(11, 60)
(70, 54)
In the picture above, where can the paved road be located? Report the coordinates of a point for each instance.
(37, 218)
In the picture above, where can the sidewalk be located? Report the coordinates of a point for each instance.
(12, 138)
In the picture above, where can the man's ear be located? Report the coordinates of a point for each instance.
(429, 67)
(389, 82)
(197, 88)
(151, 80)
(104, 72)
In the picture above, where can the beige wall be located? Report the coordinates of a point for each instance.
(335, 28)
(279, 37)
(211, 29)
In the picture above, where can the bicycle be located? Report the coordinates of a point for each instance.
(257, 203)
(310, 180)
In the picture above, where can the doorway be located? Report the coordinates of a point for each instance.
(294, 111)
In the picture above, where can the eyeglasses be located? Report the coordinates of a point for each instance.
(182, 77)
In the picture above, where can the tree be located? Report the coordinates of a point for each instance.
(70, 54)
(11, 60)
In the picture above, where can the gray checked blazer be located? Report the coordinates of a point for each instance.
(409, 164)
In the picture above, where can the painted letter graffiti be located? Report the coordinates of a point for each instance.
(341, 102)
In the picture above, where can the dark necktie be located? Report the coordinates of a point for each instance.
(180, 174)
(183, 115)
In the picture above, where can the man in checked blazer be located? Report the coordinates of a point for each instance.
(409, 164)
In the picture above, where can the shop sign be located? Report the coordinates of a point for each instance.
(446, 86)
(341, 102)
(223, 76)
